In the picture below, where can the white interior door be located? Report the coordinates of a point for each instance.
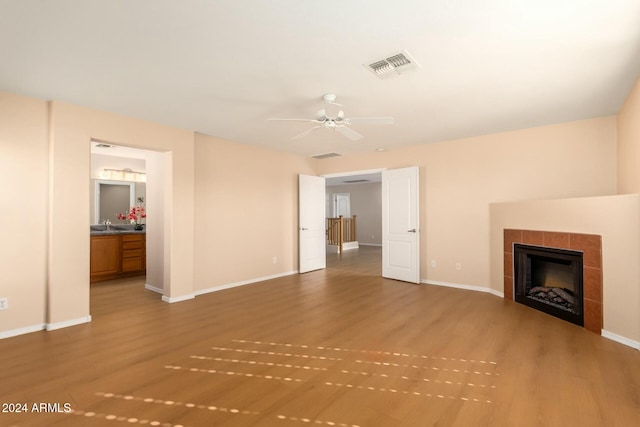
(311, 220)
(342, 204)
(400, 225)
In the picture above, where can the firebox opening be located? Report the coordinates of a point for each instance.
(549, 280)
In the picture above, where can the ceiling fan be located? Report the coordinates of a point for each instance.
(339, 122)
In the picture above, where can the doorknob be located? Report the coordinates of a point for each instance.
(303, 228)
(413, 230)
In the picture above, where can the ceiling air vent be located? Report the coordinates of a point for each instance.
(393, 65)
(326, 156)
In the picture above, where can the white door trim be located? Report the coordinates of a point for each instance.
(351, 173)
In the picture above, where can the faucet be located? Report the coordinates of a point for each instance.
(107, 222)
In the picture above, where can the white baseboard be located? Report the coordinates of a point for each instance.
(496, 293)
(21, 331)
(465, 287)
(244, 282)
(178, 299)
(621, 339)
(221, 287)
(606, 334)
(67, 323)
(346, 246)
(154, 289)
(371, 244)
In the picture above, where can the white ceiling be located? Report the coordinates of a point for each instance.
(224, 67)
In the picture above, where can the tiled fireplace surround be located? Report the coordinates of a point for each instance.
(589, 244)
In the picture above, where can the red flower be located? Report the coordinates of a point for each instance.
(135, 214)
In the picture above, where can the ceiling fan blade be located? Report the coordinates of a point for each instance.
(305, 133)
(376, 120)
(348, 132)
(295, 120)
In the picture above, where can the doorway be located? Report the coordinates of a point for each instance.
(400, 219)
(141, 252)
(359, 194)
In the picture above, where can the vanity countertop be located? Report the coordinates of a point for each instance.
(111, 232)
(102, 230)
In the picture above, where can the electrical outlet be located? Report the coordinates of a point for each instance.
(4, 303)
(433, 263)
(458, 266)
(275, 259)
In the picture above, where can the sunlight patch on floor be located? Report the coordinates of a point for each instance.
(241, 374)
(174, 403)
(433, 368)
(351, 350)
(273, 353)
(255, 362)
(436, 377)
(128, 420)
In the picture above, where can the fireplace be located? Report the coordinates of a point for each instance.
(549, 280)
(590, 245)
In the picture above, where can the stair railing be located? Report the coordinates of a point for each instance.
(340, 230)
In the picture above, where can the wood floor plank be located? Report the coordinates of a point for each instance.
(341, 347)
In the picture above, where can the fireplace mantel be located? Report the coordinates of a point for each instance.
(589, 244)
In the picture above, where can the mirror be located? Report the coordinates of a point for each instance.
(112, 198)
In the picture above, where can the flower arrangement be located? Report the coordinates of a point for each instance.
(135, 214)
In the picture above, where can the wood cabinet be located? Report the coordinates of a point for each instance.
(105, 256)
(117, 255)
(133, 259)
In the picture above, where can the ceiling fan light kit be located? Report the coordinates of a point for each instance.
(339, 123)
(330, 98)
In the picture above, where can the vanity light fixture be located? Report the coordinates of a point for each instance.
(123, 175)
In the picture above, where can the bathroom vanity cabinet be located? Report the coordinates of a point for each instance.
(116, 255)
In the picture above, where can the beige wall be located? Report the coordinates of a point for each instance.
(460, 179)
(23, 210)
(246, 212)
(73, 128)
(45, 261)
(629, 143)
(366, 203)
(615, 218)
(252, 192)
(155, 203)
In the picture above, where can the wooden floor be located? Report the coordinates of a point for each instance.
(337, 347)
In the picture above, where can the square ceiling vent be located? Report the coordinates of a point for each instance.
(393, 65)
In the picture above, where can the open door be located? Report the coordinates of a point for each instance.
(311, 220)
(400, 225)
